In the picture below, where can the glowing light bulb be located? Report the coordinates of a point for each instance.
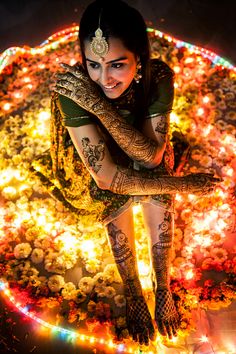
(204, 339)
(27, 79)
(189, 274)
(6, 106)
(73, 62)
(206, 99)
(41, 66)
(44, 115)
(174, 118)
(177, 69)
(200, 111)
(18, 95)
(88, 247)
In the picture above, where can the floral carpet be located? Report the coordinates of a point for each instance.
(56, 267)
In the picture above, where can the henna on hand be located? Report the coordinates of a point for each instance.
(128, 181)
(76, 85)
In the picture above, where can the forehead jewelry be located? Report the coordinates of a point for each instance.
(99, 45)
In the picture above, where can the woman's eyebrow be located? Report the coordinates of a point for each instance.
(109, 62)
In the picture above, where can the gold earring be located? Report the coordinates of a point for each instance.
(138, 75)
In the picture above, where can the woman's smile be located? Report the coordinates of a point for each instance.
(115, 71)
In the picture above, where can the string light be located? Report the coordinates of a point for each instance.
(71, 34)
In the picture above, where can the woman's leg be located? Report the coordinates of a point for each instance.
(122, 241)
(159, 224)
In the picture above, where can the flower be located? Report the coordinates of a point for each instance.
(102, 279)
(55, 283)
(22, 250)
(86, 284)
(92, 265)
(91, 306)
(109, 292)
(37, 255)
(69, 291)
(120, 300)
(112, 272)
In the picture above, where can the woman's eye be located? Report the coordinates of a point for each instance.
(94, 65)
(117, 65)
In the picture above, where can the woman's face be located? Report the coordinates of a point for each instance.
(115, 71)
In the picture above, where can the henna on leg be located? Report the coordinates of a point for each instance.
(159, 223)
(121, 237)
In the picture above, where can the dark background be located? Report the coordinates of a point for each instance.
(206, 23)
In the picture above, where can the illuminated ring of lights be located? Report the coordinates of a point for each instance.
(71, 33)
(70, 335)
(67, 35)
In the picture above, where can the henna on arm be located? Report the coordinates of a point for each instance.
(127, 181)
(135, 144)
(93, 153)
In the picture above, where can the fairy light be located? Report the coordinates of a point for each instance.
(206, 99)
(204, 339)
(200, 111)
(174, 118)
(6, 106)
(26, 79)
(88, 248)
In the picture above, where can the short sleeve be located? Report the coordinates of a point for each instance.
(162, 90)
(73, 115)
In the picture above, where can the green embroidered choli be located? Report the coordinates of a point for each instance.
(62, 170)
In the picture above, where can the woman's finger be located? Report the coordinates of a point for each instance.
(67, 76)
(76, 70)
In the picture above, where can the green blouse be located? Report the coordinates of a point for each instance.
(162, 94)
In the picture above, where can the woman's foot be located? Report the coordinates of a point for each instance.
(139, 320)
(166, 315)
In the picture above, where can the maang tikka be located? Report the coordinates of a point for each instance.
(99, 45)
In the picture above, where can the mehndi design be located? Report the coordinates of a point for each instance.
(93, 153)
(127, 181)
(139, 320)
(166, 315)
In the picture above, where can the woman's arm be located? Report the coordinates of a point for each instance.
(96, 157)
(147, 151)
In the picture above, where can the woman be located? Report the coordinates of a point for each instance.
(115, 107)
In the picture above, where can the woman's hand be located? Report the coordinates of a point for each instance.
(199, 183)
(76, 85)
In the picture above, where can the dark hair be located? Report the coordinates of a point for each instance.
(119, 20)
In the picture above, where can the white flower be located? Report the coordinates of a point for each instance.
(69, 291)
(37, 255)
(55, 283)
(120, 300)
(22, 250)
(102, 279)
(86, 284)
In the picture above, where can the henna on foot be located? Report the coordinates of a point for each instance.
(166, 315)
(139, 320)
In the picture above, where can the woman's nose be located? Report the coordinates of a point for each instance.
(104, 77)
